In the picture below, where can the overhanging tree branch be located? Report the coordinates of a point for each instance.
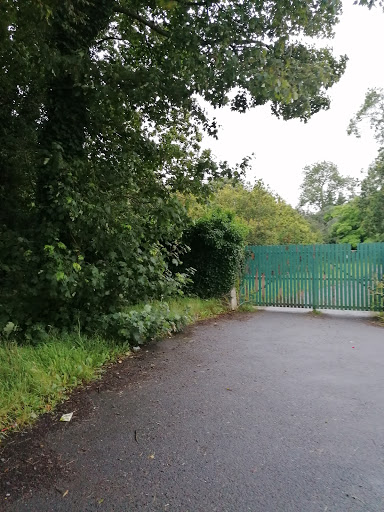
(143, 21)
(251, 42)
(198, 3)
(109, 38)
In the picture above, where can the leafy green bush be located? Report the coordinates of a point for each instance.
(110, 256)
(139, 326)
(217, 252)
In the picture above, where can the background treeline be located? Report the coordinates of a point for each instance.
(267, 219)
(343, 209)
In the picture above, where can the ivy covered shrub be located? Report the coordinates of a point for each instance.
(216, 243)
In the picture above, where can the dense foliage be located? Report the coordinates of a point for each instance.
(346, 224)
(100, 126)
(362, 219)
(322, 190)
(323, 186)
(372, 199)
(216, 243)
(268, 218)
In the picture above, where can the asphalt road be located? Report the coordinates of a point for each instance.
(266, 412)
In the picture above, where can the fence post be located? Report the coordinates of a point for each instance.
(315, 292)
(233, 299)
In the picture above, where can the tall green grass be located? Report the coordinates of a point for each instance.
(33, 379)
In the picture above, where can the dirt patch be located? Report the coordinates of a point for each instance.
(377, 322)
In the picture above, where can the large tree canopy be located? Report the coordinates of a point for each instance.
(323, 187)
(346, 224)
(100, 124)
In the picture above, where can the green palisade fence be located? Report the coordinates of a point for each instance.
(314, 276)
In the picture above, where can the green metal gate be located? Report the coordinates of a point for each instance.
(315, 276)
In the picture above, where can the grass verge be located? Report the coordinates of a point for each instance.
(197, 309)
(379, 318)
(246, 307)
(34, 378)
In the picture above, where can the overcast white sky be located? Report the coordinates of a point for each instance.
(283, 148)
